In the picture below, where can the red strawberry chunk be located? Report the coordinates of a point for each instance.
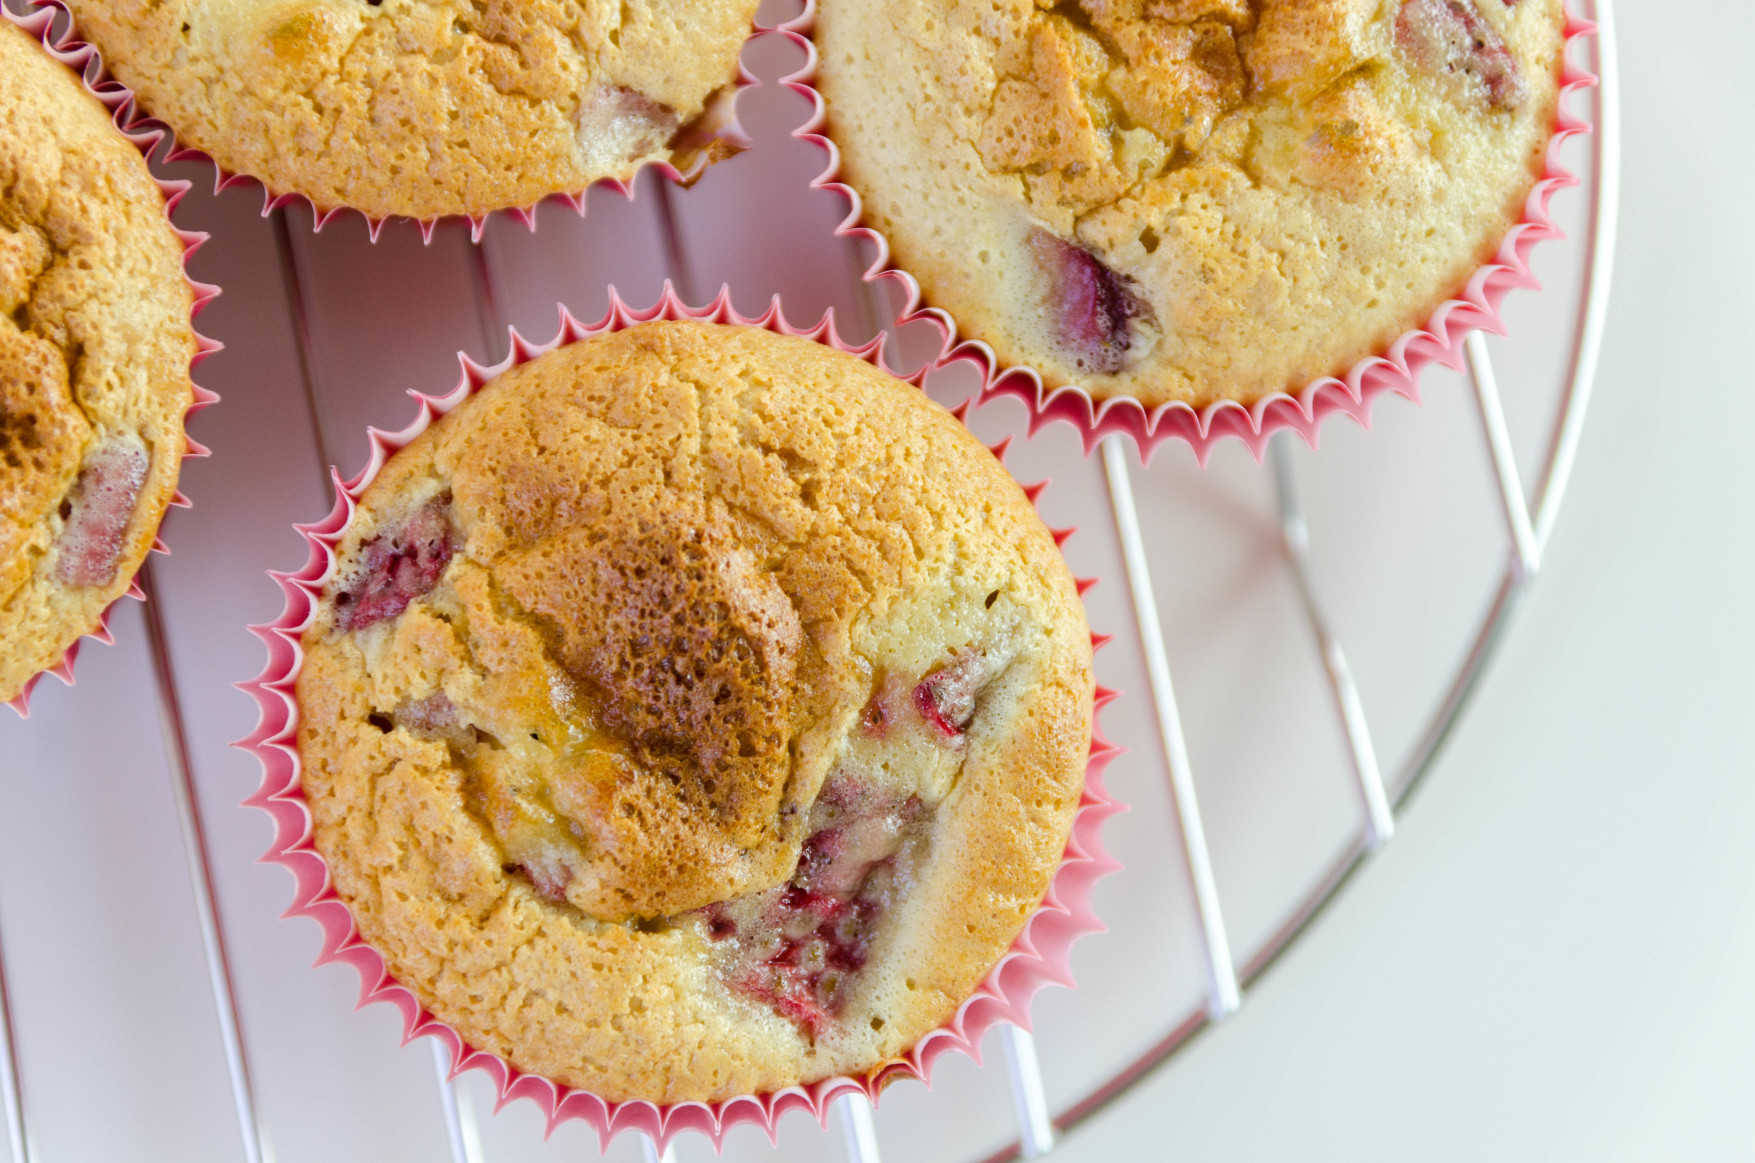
(793, 993)
(400, 567)
(946, 697)
(1092, 304)
(1450, 38)
(816, 861)
(819, 927)
(96, 513)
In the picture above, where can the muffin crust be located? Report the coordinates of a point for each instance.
(429, 107)
(95, 343)
(694, 712)
(1190, 200)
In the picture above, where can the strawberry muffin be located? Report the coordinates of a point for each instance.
(693, 712)
(95, 343)
(1191, 200)
(426, 108)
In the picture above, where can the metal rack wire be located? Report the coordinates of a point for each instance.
(1528, 527)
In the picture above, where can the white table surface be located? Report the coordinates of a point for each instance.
(1551, 960)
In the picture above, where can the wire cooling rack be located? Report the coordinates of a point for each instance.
(200, 995)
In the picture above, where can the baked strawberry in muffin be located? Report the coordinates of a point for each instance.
(1191, 200)
(95, 344)
(692, 712)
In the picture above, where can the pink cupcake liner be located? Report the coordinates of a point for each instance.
(1397, 369)
(80, 58)
(727, 130)
(1040, 955)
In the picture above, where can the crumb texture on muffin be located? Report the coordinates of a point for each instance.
(694, 711)
(95, 343)
(1190, 199)
(428, 107)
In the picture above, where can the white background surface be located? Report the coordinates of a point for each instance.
(1551, 961)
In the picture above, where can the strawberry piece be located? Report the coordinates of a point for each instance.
(1093, 305)
(847, 936)
(96, 514)
(433, 715)
(794, 994)
(946, 697)
(398, 568)
(816, 861)
(720, 924)
(549, 875)
(819, 927)
(1450, 38)
(880, 713)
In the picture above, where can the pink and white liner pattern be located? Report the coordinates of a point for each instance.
(729, 131)
(1397, 369)
(1040, 955)
(82, 59)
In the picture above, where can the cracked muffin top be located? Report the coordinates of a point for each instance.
(95, 343)
(1191, 200)
(429, 107)
(694, 711)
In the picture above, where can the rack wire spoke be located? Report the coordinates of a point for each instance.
(682, 273)
(1029, 1100)
(293, 284)
(858, 1131)
(11, 1084)
(200, 868)
(1526, 553)
(1225, 996)
(460, 1125)
(1295, 538)
(1599, 258)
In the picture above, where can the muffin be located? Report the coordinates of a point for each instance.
(1191, 200)
(426, 108)
(95, 344)
(694, 712)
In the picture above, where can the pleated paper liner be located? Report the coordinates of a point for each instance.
(720, 125)
(1395, 369)
(82, 59)
(1038, 957)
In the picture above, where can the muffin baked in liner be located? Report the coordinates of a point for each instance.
(1038, 956)
(1396, 368)
(714, 135)
(81, 60)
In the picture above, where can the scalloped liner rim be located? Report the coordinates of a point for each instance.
(1038, 957)
(77, 56)
(1396, 369)
(223, 179)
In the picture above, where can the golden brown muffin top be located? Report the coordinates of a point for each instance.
(428, 107)
(95, 344)
(705, 667)
(1191, 199)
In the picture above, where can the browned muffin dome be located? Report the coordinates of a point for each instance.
(1191, 200)
(428, 107)
(695, 711)
(95, 343)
